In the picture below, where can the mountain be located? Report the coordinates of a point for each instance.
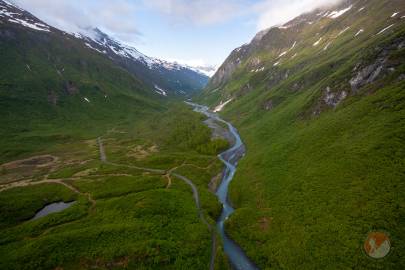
(320, 105)
(164, 76)
(52, 83)
(316, 33)
(49, 76)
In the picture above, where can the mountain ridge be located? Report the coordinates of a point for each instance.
(282, 38)
(175, 79)
(320, 106)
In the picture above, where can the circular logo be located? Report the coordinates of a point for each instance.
(377, 245)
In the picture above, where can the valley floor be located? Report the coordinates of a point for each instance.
(142, 201)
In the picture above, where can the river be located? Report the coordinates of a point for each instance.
(230, 158)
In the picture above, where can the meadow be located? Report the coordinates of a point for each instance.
(124, 217)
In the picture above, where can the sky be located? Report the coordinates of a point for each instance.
(193, 32)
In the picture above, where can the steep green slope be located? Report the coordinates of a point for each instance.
(321, 109)
(53, 87)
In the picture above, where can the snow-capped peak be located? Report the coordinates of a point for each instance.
(9, 4)
(103, 43)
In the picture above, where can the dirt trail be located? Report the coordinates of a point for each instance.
(168, 174)
(103, 157)
(29, 182)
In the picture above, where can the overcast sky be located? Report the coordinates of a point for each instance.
(193, 31)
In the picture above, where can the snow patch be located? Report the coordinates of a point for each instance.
(394, 15)
(11, 4)
(91, 47)
(337, 13)
(360, 9)
(86, 99)
(77, 35)
(282, 54)
(344, 30)
(35, 26)
(285, 52)
(160, 91)
(317, 43)
(221, 106)
(276, 64)
(13, 17)
(359, 32)
(385, 29)
(327, 45)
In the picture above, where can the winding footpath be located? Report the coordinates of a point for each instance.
(168, 174)
(230, 158)
(103, 157)
(30, 182)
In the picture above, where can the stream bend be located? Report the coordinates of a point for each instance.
(230, 158)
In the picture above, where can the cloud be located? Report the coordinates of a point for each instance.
(199, 12)
(197, 62)
(121, 19)
(276, 12)
(209, 12)
(118, 17)
(115, 17)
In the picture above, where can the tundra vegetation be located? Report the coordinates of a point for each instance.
(123, 217)
(324, 130)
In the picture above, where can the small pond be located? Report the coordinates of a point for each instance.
(52, 208)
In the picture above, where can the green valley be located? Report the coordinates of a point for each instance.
(291, 156)
(61, 103)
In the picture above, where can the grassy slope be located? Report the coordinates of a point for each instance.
(37, 67)
(327, 183)
(311, 187)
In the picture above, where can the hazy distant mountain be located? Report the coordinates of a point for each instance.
(168, 76)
